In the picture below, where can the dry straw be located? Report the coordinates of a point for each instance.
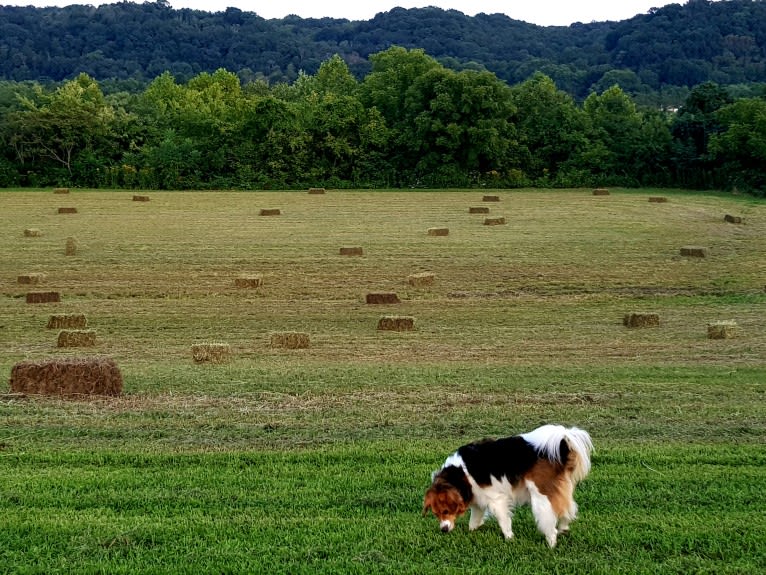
(76, 338)
(438, 231)
(382, 298)
(72, 376)
(422, 279)
(249, 281)
(641, 320)
(490, 199)
(270, 212)
(211, 352)
(694, 251)
(43, 297)
(32, 233)
(499, 221)
(67, 321)
(289, 340)
(67, 210)
(600, 192)
(732, 219)
(141, 198)
(396, 323)
(657, 199)
(478, 210)
(31, 279)
(722, 329)
(71, 247)
(351, 251)
(316, 191)
(61, 190)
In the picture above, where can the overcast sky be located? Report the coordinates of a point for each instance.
(543, 12)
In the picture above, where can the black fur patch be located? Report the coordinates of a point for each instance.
(455, 476)
(510, 457)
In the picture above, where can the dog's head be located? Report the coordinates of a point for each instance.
(448, 497)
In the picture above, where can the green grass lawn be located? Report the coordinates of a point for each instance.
(316, 460)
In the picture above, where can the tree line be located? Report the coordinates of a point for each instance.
(410, 122)
(655, 57)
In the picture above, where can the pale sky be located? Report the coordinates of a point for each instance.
(543, 12)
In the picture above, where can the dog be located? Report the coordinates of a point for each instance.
(491, 477)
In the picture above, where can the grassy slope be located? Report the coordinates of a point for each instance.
(316, 460)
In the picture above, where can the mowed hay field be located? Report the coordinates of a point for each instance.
(315, 459)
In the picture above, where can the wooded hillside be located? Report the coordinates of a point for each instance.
(656, 56)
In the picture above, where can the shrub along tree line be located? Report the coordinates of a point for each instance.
(410, 122)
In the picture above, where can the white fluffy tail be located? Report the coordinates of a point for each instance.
(547, 440)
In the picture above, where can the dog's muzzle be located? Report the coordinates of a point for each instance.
(446, 526)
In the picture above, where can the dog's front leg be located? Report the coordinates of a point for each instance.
(478, 516)
(502, 511)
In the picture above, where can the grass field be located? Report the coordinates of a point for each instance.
(316, 460)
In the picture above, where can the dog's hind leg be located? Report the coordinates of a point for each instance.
(542, 509)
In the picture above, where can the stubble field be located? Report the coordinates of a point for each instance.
(315, 460)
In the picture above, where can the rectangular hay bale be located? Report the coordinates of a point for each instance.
(271, 212)
(382, 298)
(317, 191)
(421, 279)
(438, 231)
(250, 281)
(289, 340)
(32, 233)
(67, 321)
(499, 221)
(67, 210)
(31, 279)
(478, 210)
(76, 338)
(732, 219)
(211, 352)
(61, 190)
(141, 198)
(70, 376)
(694, 251)
(722, 329)
(351, 251)
(490, 199)
(657, 199)
(396, 323)
(43, 297)
(600, 192)
(641, 320)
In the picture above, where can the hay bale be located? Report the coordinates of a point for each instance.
(67, 321)
(600, 192)
(32, 233)
(657, 199)
(732, 219)
(71, 247)
(694, 251)
(250, 281)
(71, 376)
(67, 210)
(641, 320)
(438, 231)
(141, 198)
(316, 191)
(478, 210)
(289, 340)
(396, 323)
(490, 199)
(721, 329)
(43, 297)
(421, 279)
(61, 190)
(382, 298)
(351, 251)
(499, 221)
(270, 212)
(211, 352)
(31, 279)
(76, 338)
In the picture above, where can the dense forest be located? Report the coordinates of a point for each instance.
(410, 121)
(655, 57)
